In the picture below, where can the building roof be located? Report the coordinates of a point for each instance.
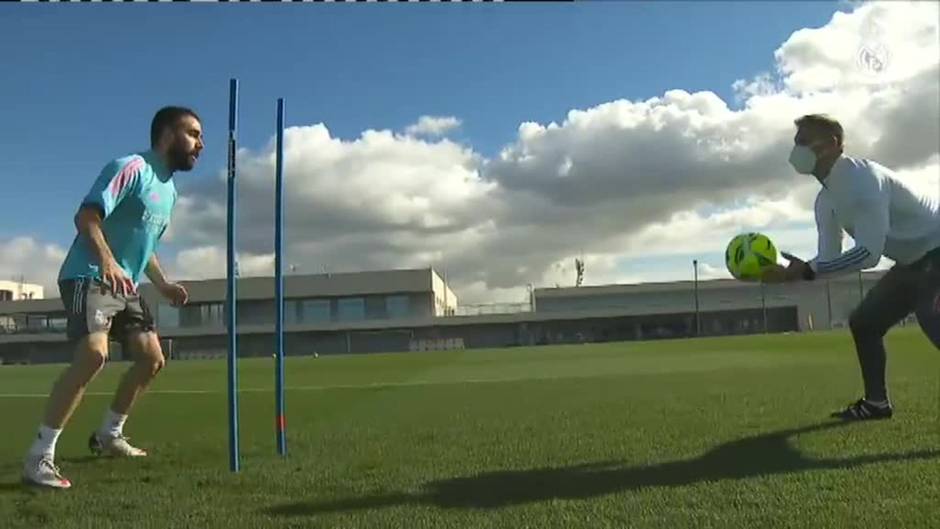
(672, 286)
(261, 288)
(9, 284)
(316, 285)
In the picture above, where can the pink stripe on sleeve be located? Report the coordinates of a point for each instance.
(124, 177)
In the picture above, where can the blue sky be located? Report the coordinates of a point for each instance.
(84, 81)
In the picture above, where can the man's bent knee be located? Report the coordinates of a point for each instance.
(153, 363)
(149, 353)
(92, 352)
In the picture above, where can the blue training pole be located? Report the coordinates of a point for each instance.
(279, 280)
(231, 303)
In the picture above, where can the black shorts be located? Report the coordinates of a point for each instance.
(92, 306)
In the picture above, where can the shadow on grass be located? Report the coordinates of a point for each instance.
(79, 459)
(760, 455)
(14, 486)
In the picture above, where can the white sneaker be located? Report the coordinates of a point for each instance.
(40, 470)
(114, 446)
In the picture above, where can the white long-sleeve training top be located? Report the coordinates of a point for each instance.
(882, 214)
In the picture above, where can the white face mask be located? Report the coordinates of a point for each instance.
(803, 159)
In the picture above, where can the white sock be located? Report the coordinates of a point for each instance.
(113, 424)
(44, 445)
(878, 403)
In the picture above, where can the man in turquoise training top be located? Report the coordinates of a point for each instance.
(120, 223)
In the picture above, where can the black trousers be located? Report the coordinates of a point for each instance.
(902, 290)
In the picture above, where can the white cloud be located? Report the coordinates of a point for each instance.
(680, 173)
(376, 202)
(32, 261)
(784, 221)
(673, 175)
(432, 126)
(207, 262)
(707, 271)
(878, 44)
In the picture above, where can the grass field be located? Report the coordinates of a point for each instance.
(724, 433)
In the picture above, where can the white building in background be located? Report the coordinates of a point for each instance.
(18, 290)
(416, 310)
(724, 306)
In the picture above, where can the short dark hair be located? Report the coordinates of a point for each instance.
(167, 117)
(822, 123)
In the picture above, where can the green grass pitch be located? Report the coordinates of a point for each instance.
(721, 432)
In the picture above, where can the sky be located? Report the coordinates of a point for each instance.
(496, 142)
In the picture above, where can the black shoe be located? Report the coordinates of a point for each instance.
(862, 410)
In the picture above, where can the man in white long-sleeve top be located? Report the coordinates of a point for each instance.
(885, 218)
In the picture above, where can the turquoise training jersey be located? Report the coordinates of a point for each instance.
(135, 195)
